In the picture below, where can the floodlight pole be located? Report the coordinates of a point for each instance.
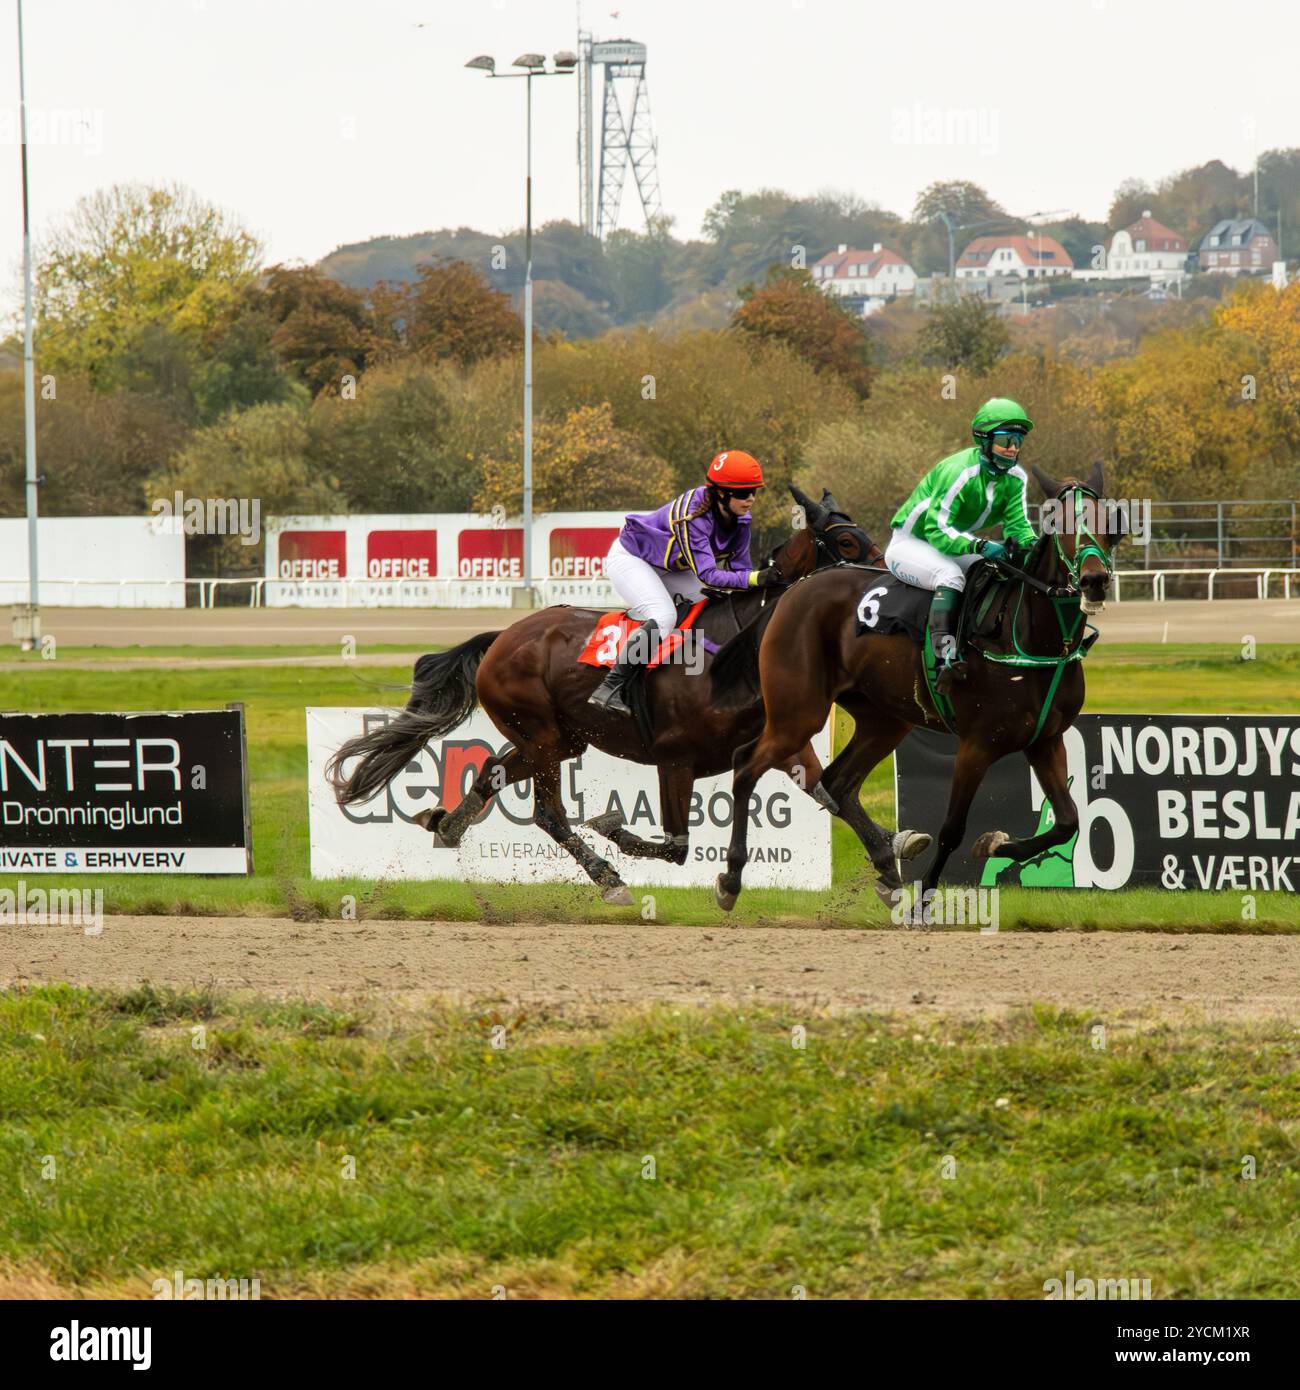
(533, 65)
(30, 633)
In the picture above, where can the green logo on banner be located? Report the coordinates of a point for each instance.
(1054, 868)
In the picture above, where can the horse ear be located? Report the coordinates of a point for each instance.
(829, 502)
(1094, 480)
(811, 510)
(1051, 488)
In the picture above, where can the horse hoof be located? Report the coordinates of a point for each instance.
(726, 901)
(430, 818)
(891, 897)
(607, 825)
(909, 843)
(618, 896)
(989, 843)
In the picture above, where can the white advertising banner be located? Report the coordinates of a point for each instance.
(443, 560)
(789, 839)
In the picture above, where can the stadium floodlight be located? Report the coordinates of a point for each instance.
(533, 65)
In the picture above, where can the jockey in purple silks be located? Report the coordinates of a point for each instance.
(700, 538)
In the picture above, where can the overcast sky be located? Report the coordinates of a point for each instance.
(321, 122)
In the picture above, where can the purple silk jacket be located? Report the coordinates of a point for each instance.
(665, 539)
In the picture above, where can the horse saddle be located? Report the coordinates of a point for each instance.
(609, 636)
(888, 606)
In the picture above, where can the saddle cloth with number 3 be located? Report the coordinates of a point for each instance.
(888, 606)
(611, 634)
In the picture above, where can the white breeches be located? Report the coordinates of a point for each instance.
(648, 591)
(917, 562)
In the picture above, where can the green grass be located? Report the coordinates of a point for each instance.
(246, 651)
(1174, 679)
(526, 1166)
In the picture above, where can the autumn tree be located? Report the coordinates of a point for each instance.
(323, 330)
(790, 309)
(132, 261)
(450, 312)
(966, 332)
(582, 462)
(95, 450)
(262, 454)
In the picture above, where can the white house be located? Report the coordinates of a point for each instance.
(1147, 247)
(1030, 257)
(874, 276)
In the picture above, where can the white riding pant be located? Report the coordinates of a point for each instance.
(647, 590)
(917, 562)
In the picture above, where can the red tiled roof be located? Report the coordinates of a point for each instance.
(1157, 236)
(873, 260)
(1028, 248)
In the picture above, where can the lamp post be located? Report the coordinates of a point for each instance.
(533, 65)
(27, 624)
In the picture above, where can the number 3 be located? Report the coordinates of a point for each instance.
(608, 649)
(869, 608)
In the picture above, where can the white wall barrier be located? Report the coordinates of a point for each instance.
(94, 562)
(789, 839)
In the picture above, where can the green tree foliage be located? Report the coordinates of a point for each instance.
(964, 332)
(94, 449)
(389, 447)
(582, 462)
(131, 261)
(790, 309)
(263, 454)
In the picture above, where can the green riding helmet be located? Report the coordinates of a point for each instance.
(997, 414)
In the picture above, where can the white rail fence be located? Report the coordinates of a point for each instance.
(1272, 582)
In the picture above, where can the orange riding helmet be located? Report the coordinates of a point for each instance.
(735, 469)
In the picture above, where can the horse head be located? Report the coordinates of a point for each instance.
(835, 537)
(1085, 528)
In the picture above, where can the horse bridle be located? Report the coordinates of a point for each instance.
(821, 546)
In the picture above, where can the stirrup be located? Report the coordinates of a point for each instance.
(609, 696)
(953, 671)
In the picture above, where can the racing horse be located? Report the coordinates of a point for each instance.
(1023, 691)
(532, 685)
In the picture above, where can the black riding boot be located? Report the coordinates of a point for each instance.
(640, 647)
(943, 633)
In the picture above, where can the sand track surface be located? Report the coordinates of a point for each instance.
(960, 973)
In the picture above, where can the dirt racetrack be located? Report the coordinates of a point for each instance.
(967, 974)
(1224, 620)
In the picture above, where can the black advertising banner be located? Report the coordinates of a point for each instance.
(125, 793)
(1170, 801)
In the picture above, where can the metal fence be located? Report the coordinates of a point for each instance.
(1259, 533)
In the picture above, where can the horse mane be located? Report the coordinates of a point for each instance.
(734, 672)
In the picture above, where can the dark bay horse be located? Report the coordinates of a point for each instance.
(531, 684)
(810, 657)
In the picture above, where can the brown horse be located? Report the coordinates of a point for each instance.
(533, 687)
(1020, 695)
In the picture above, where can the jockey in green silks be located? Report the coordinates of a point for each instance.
(933, 542)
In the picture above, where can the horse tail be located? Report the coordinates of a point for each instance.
(734, 673)
(443, 695)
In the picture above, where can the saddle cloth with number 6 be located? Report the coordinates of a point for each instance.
(888, 606)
